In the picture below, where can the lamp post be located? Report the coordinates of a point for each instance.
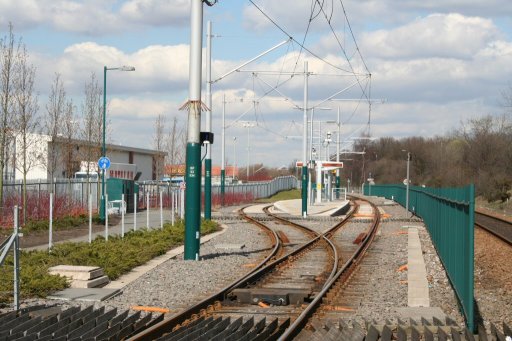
(248, 125)
(407, 185)
(234, 159)
(104, 146)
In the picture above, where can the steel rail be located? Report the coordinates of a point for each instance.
(492, 229)
(263, 268)
(295, 328)
(167, 325)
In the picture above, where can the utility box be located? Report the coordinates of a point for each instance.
(116, 187)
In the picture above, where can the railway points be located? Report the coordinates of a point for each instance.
(374, 301)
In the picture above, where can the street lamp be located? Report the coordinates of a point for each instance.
(234, 159)
(407, 188)
(104, 146)
(248, 125)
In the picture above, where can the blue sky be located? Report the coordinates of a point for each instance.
(437, 64)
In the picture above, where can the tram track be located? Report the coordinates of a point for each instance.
(498, 227)
(331, 297)
(268, 300)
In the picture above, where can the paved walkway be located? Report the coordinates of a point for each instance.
(294, 207)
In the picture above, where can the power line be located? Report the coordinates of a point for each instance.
(341, 46)
(295, 40)
(353, 37)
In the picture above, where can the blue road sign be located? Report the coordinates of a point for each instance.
(104, 162)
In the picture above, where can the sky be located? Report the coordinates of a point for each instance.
(433, 64)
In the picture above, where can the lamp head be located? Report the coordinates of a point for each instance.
(127, 68)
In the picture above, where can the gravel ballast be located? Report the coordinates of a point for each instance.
(176, 284)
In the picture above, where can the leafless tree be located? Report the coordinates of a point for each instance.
(91, 127)
(159, 145)
(55, 111)
(26, 124)
(69, 126)
(176, 144)
(8, 52)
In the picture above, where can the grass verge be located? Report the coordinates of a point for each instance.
(283, 195)
(116, 257)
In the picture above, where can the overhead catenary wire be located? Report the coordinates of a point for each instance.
(343, 50)
(295, 40)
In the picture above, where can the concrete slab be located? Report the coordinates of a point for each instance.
(77, 272)
(86, 295)
(92, 283)
(294, 207)
(418, 292)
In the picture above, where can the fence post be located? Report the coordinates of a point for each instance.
(182, 203)
(147, 209)
(50, 228)
(161, 211)
(90, 218)
(123, 209)
(16, 261)
(135, 211)
(172, 207)
(106, 217)
(39, 199)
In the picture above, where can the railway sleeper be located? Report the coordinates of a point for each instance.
(273, 296)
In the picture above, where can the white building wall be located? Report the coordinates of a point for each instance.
(39, 152)
(145, 165)
(36, 156)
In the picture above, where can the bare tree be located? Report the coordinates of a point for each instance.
(175, 144)
(69, 125)
(28, 151)
(55, 109)
(8, 52)
(159, 145)
(91, 130)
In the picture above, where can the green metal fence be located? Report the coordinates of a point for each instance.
(449, 216)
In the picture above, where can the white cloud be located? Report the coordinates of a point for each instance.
(158, 68)
(295, 15)
(91, 17)
(94, 17)
(437, 35)
(157, 12)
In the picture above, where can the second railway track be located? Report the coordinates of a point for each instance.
(499, 227)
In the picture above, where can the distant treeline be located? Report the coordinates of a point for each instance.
(479, 152)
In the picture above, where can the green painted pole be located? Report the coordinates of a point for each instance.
(208, 189)
(192, 201)
(222, 185)
(193, 156)
(223, 153)
(470, 314)
(104, 147)
(338, 184)
(208, 160)
(304, 190)
(304, 184)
